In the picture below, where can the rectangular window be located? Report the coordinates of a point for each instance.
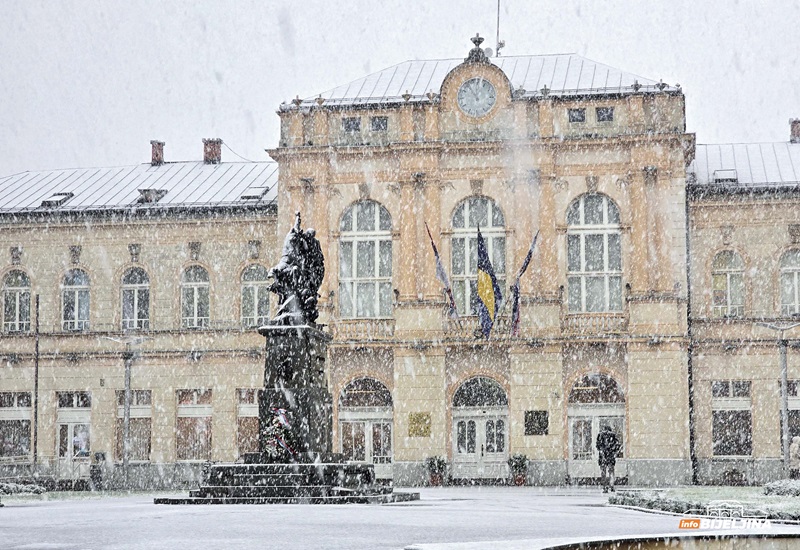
(379, 123)
(15, 424)
(193, 427)
(140, 425)
(15, 438)
(605, 114)
(732, 433)
(351, 124)
(576, 115)
(247, 421)
(732, 426)
(536, 422)
(74, 400)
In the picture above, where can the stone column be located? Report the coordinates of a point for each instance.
(406, 123)
(406, 274)
(548, 237)
(638, 269)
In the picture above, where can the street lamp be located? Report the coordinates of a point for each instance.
(128, 356)
(782, 345)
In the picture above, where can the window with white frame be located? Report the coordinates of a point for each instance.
(594, 255)
(16, 302)
(727, 274)
(135, 299)
(195, 304)
(75, 293)
(365, 261)
(247, 420)
(790, 273)
(731, 417)
(255, 296)
(141, 425)
(15, 424)
(472, 213)
(194, 425)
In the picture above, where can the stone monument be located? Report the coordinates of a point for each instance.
(295, 462)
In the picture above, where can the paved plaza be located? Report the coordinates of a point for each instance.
(455, 518)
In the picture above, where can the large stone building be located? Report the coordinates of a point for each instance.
(639, 312)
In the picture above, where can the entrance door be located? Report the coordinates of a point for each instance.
(365, 424)
(584, 426)
(74, 445)
(480, 430)
(480, 443)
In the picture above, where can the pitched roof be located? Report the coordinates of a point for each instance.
(563, 74)
(168, 186)
(743, 166)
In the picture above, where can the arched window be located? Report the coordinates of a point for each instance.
(480, 392)
(790, 277)
(596, 388)
(255, 296)
(75, 293)
(365, 392)
(365, 423)
(727, 273)
(468, 216)
(135, 299)
(365, 261)
(16, 302)
(195, 297)
(594, 255)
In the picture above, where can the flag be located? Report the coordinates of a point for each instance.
(515, 288)
(441, 274)
(489, 295)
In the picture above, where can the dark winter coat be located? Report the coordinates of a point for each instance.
(608, 446)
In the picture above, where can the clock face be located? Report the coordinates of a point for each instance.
(476, 97)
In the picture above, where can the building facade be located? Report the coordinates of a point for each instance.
(639, 310)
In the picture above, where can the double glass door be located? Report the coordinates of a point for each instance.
(480, 444)
(584, 427)
(74, 449)
(368, 441)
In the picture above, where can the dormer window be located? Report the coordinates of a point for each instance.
(576, 115)
(57, 199)
(605, 114)
(150, 196)
(351, 124)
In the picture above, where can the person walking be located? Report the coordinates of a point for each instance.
(608, 445)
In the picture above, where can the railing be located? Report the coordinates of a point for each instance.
(469, 327)
(95, 328)
(594, 323)
(362, 329)
(472, 135)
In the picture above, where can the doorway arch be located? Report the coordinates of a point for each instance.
(480, 429)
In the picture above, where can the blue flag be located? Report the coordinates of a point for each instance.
(489, 295)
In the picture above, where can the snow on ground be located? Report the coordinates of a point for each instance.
(510, 517)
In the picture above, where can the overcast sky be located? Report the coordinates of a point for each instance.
(90, 83)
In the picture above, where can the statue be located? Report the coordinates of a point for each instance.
(297, 277)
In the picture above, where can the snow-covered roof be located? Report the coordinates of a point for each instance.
(144, 186)
(740, 166)
(562, 74)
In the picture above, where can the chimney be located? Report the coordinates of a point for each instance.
(158, 153)
(794, 133)
(212, 151)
